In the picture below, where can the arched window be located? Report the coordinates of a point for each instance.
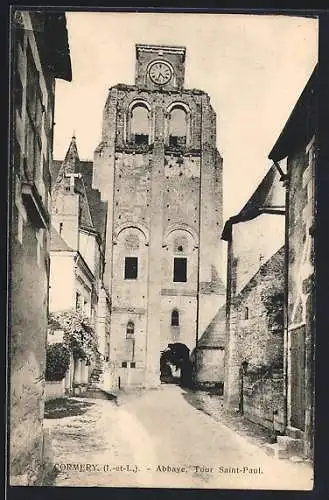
(178, 120)
(175, 318)
(139, 124)
(130, 330)
(246, 313)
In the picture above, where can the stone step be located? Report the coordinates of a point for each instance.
(295, 433)
(274, 450)
(291, 446)
(96, 393)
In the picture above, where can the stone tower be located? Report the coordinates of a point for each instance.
(158, 167)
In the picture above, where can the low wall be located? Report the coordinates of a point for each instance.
(54, 390)
(263, 400)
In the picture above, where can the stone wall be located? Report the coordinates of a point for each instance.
(263, 398)
(29, 253)
(301, 343)
(28, 330)
(210, 367)
(255, 326)
(154, 191)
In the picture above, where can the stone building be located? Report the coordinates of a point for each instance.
(254, 306)
(77, 252)
(296, 147)
(209, 355)
(158, 168)
(40, 54)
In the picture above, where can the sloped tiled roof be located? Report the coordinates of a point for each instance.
(214, 335)
(57, 244)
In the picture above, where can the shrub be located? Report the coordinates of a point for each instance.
(58, 362)
(79, 335)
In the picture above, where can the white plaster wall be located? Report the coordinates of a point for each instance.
(87, 248)
(62, 288)
(254, 242)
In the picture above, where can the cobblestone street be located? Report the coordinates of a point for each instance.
(158, 439)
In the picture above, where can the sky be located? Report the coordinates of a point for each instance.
(254, 68)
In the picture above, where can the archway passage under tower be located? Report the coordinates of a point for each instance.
(176, 365)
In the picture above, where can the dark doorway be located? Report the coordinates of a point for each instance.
(297, 357)
(176, 365)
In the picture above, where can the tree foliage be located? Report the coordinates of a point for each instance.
(79, 335)
(58, 361)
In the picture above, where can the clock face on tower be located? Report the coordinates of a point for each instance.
(160, 72)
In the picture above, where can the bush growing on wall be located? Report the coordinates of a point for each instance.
(58, 362)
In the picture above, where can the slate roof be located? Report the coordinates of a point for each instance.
(260, 199)
(57, 244)
(301, 124)
(98, 208)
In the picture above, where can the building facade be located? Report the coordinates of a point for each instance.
(77, 253)
(254, 367)
(296, 147)
(40, 55)
(158, 168)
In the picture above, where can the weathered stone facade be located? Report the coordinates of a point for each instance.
(297, 146)
(256, 324)
(32, 109)
(164, 190)
(254, 307)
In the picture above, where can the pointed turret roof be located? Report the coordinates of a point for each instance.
(71, 163)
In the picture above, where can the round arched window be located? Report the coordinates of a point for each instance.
(130, 330)
(139, 124)
(178, 121)
(175, 318)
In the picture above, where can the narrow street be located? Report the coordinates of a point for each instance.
(158, 439)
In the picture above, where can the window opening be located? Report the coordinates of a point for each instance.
(175, 318)
(180, 269)
(130, 330)
(131, 268)
(139, 125)
(177, 128)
